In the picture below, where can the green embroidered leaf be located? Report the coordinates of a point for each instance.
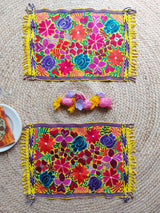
(105, 130)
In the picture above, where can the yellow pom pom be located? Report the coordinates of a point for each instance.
(57, 103)
(95, 101)
(72, 108)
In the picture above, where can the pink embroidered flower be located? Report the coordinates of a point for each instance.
(65, 54)
(96, 40)
(92, 135)
(64, 139)
(75, 48)
(96, 65)
(61, 182)
(61, 165)
(46, 28)
(116, 39)
(112, 158)
(95, 25)
(46, 46)
(59, 34)
(66, 67)
(84, 157)
(110, 177)
(96, 169)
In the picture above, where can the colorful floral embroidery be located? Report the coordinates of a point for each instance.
(70, 160)
(80, 44)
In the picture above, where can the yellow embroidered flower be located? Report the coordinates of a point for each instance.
(95, 101)
(72, 108)
(57, 103)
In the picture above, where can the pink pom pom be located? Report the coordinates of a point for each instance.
(67, 101)
(105, 102)
(87, 104)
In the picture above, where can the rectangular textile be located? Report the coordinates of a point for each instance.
(78, 160)
(6, 135)
(80, 44)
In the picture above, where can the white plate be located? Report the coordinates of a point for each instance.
(15, 124)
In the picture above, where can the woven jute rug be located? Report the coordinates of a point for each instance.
(136, 103)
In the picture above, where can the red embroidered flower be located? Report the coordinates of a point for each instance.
(84, 157)
(116, 39)
(80, 173)
(46, 143)
(62, 44)
(96, 40)
(62, 166)
(75, 48)
(66, 67)
(46, 28)
(87, 49)
(100, 54)
(92, 135)
(110, 177)
(97, 159)
(73, 186)
(115, 57)
(41, 165)
(106, 46)
(72, 158)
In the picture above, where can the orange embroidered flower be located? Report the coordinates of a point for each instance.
(78, 32)
(77, 16)
(80, 173)
(40, 71)
(116, 131)
(40, 188)
(115, 57)
(55, 53)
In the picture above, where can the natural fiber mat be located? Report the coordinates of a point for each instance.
(136, 103)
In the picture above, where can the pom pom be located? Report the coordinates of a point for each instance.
(87, 104)
(105, 102)
(67, 101)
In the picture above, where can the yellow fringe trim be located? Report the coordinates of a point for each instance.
(133, 53)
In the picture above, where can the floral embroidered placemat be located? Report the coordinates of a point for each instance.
(78, 160)
(80, 44)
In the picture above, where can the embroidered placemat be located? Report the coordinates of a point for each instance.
(80, 44)
(78, 160)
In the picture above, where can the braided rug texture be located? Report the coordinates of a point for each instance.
(137, 103)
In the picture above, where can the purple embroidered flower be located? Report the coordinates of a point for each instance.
(46, 46)
(94, 149)
(97, 65)
(64, 23)
(70, 94)
(65, 54)
(59, 34)
(100, 94)
(79, 104)
(48, 62)
(96, 169)
(112, 158)
(61, 182)
(94, 183)
(64, 139)
(95, 25)
(108, 140)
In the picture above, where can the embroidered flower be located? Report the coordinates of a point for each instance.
(61, 165)
(96, 40)
(75, 48)
(82, 61)
(59, 34)
(46, 46)
(41, 165)
(46, 178)
(94, 183)
(72, 158)
(115, 57)
(96, 169)
(108, 140)
(107, 46)
(116, 131)
(65, 54)
(111, 26)
(55, 53)
(66, 67)
(45, 144)
(62, 44)
(64, 152)
(87, 50)
(92, 135)
(100, 54)
(79, 144)
(84, 157)
(112, 158)
(110, 177)
(64, 139)
(95, 25)
(48, 62)
(94, 149)
(73, 186)
(57, 103)
(54, 154)
(80, 173)
(116, 39)
(78, 32)
(61, 182)
(96, 65)
(46, 28)
(65, 23)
